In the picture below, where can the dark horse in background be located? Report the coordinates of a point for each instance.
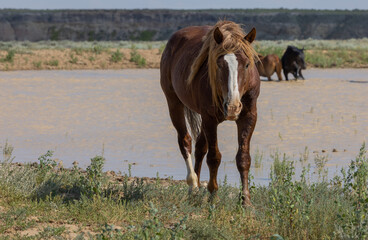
(268, 65)
(293, 62)
(208, 75)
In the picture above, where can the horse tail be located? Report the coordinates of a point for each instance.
(194, 121)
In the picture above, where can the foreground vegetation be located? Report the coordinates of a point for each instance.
(128, 54)
(44, 200)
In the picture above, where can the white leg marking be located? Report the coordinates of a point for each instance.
(192, 178)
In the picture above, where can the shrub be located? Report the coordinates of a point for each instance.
(353, 222)
(137, 58)
(93, 181)
(73, 59)
(37, 64)
(116, 56)
(97, 49)
(9, 56)
(162, 48)
(53, 62)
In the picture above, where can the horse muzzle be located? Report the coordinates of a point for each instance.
(232, 111)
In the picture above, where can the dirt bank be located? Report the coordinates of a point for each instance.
(73, 59)
(130, 58)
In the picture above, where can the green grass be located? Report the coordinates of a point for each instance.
(73, 59)
(137, 58)
(117, 56)
(37, 64)
(290, 206)
(9, 56)
(52, 62)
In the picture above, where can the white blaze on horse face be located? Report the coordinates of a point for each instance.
(233, 90)
(192, 178)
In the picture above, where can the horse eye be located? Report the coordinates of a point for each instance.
(246, 66)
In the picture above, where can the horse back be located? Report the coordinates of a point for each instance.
(176, 61)
(181, 49)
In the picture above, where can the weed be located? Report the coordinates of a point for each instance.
(353, 222)
(46, 164)
(49, 232)
(258, 158)
(9, 56)
(78, 50)
(97, 49)
(53, 62)
(116, 56)
(320, 162)
(7, 152)
(280, 137)
(109, 232)
(73, 59)
(137, 58)
(161, 48)
(304, 156)
(37, 64)
(94, 179)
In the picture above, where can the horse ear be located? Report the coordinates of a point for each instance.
(251, 35)
(217, 34)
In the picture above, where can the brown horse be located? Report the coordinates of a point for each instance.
(208, 75)
(268, 65)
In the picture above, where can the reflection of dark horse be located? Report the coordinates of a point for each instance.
(268, 65)
(208, 75)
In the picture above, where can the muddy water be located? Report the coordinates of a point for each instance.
(80, 114)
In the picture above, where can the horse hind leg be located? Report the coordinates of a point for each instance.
(176, 109)
(278, 71)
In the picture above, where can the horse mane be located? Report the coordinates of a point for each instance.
(233, 41)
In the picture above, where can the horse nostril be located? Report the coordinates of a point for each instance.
(240, 105)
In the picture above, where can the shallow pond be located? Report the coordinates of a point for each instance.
(123, 114)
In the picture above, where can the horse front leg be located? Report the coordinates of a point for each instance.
(300, 73)
(200, 152)
(213, 155)
(246, 124)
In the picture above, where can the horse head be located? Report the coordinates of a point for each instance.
(232, 71)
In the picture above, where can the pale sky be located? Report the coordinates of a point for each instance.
(186, 4)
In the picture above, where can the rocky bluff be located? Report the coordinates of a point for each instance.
(81, 25)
